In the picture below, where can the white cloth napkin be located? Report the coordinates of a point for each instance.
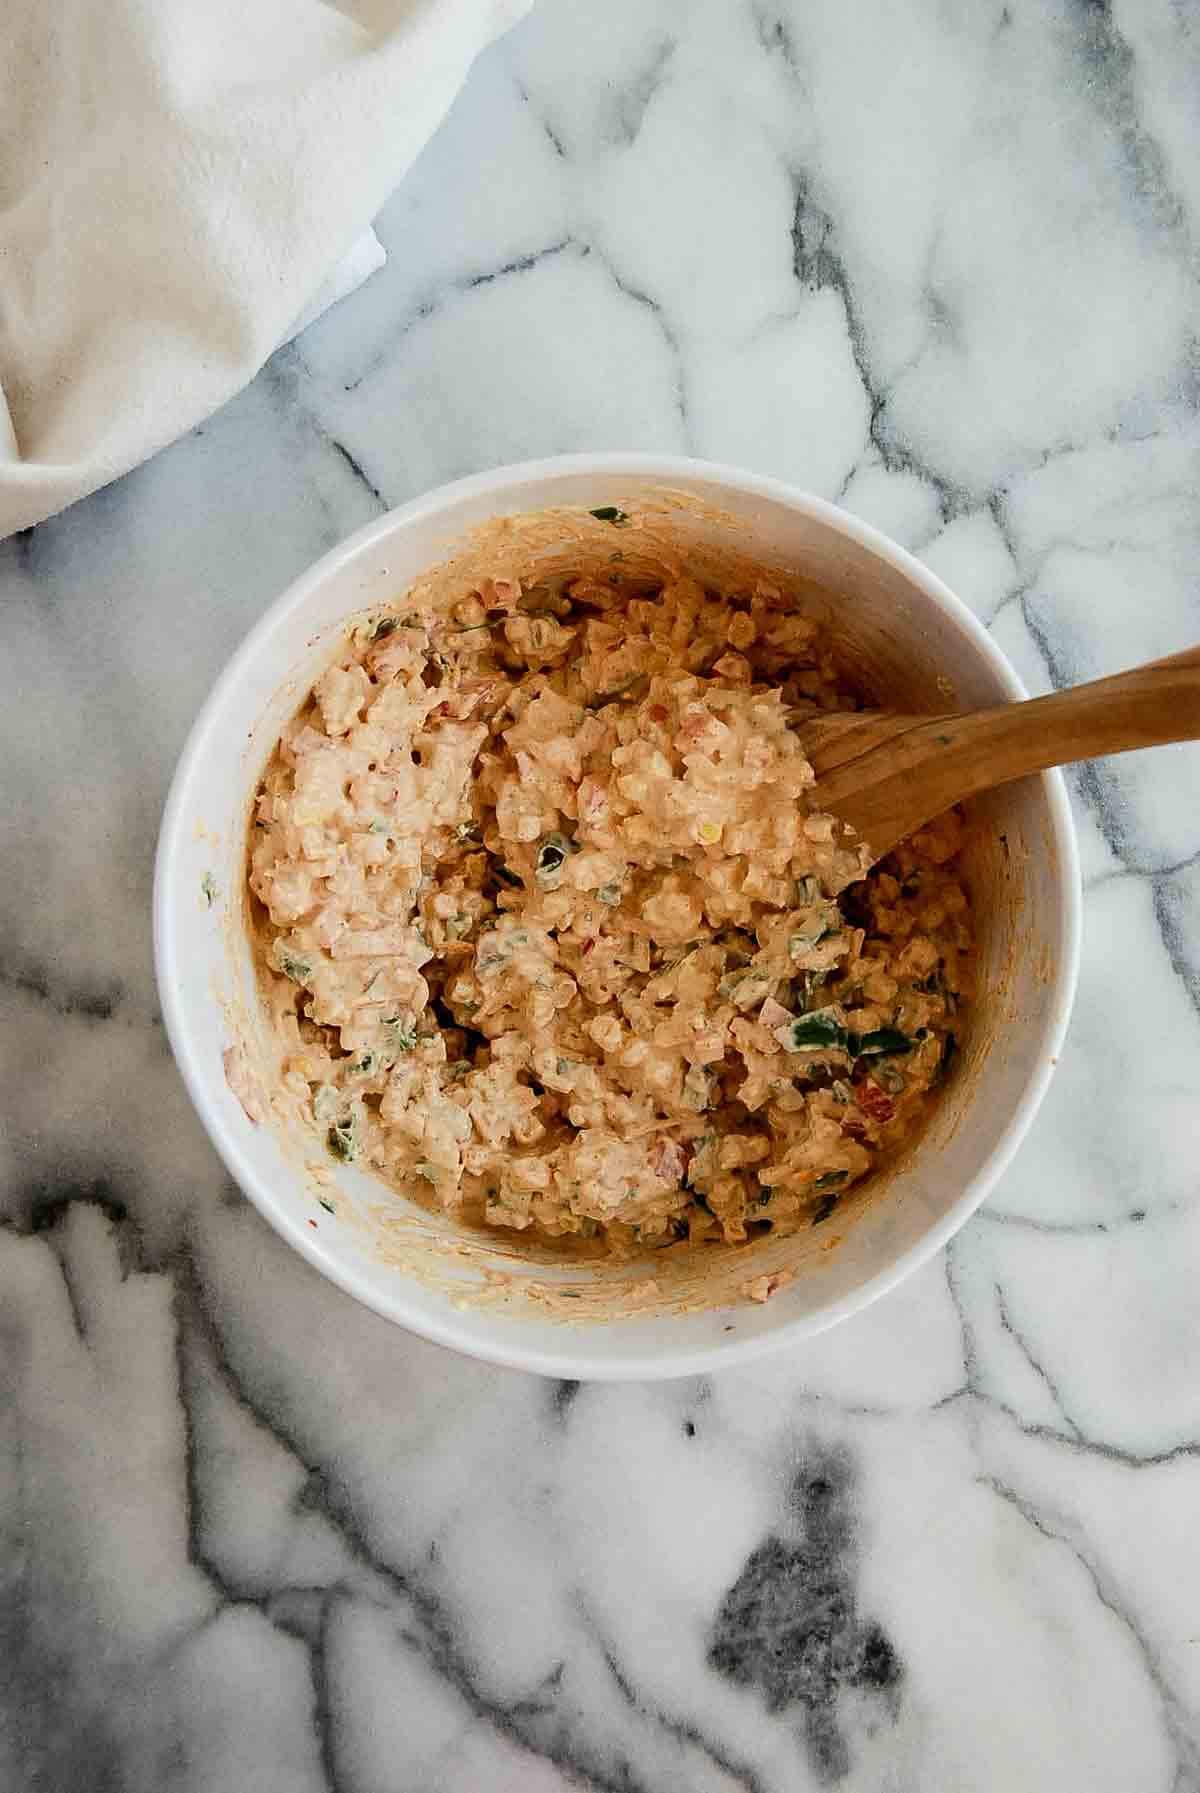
(183, 185)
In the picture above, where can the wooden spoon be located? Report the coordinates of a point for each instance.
(885, 775)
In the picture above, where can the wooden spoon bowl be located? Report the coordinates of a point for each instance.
(884, 775)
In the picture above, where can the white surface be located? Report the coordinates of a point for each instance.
(184, 187)
(1028, 927)
(260, 1538)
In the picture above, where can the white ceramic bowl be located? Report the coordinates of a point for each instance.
(916, 645)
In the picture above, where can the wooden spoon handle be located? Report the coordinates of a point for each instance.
(944, 759)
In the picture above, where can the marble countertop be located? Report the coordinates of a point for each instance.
(939, 264)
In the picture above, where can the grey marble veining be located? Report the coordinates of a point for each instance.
(936, 263)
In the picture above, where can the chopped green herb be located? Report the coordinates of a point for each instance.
(807, 1032)
(552, 856)
(467, 831)
(608, 513)
(328, 1206)
(366, 1063)
(884, 1042)
(697, 1089)
(292, 965)
(496, 949)
(208, 887)
(400, 1034)
(824, 1209)
(343, 1139)
(949, 1053)
(610, 894)
(383, 628)
(840, 1092)
(804, 941)
(830, 1179)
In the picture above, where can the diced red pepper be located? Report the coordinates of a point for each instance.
(873, 1102)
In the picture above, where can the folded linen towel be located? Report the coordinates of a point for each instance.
(182, 187)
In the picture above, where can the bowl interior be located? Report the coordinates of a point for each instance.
(904, 639)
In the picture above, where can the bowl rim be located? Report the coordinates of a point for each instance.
(577, 1360)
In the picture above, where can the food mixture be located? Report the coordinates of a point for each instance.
(555, 938)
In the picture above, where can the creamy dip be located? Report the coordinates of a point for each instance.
(556, 937)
